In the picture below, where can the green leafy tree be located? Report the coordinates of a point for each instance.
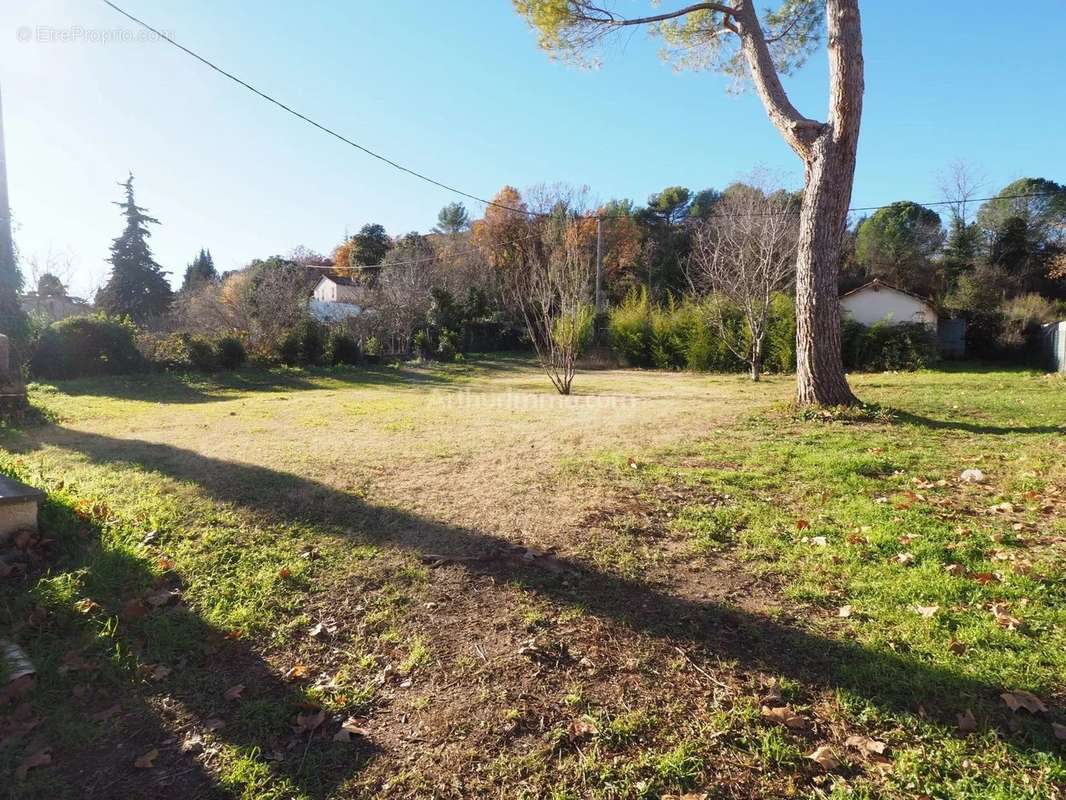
(137, 287)
(452, 219)
(666, 240)
(734, 37)
(200, 271)
(49, 285)
(1026, 228)
(897, 244)
(369, 246)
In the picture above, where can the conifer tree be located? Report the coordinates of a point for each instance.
(137, 286)
(201, 270)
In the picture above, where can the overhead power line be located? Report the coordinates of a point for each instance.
(325, 129)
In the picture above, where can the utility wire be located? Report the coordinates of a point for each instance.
(445, 186)
(310, 121)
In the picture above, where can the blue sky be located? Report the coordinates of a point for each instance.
(460, 91)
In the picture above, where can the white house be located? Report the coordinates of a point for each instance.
(876, 302)
(335, 298)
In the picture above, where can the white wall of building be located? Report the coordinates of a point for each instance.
(871, 305)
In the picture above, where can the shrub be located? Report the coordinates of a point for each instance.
(668, 339)
(289, 349)
(202, 353)
(82, 346)
(341, 347)
(1023, 318)
(707, 350)
(230, 352)
(448, 346)
(906, 346)
(312, 341)
(628, 330)
(372, 349)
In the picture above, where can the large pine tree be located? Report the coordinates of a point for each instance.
(137, 286)
(201, 270)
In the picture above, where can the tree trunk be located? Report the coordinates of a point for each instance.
(756, 358)
(826, 195)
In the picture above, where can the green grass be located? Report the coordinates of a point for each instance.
(226, 491)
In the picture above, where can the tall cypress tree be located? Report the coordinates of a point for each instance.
(137, 286)
(201, 270)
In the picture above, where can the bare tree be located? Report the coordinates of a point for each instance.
(743, 254)
(550, 287)
(960, 182)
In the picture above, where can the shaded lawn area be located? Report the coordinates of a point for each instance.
(648, 636)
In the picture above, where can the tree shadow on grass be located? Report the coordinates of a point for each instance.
(908, 418)
(180, 388)
(99, 664)
(891, 681)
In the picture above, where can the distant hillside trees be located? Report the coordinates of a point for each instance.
(898, 243)
(137, 286)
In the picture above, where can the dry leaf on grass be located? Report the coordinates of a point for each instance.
(955, 569)
(41, 758)
(1020, 698)
(785, 716)
(904, 559)
(296, 671)
(802, 524)
(163, 597)
(824, 756)
(583, 726)
(86, 605)
(309, 721)
(146, 761)
(956, 647)
(966, 723)
(865, 744)
(927, 612)
(844, 611)
(1003, 617)
(351, 727)
(284, 573)
(234, 692)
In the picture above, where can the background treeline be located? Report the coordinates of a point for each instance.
(1000, 264)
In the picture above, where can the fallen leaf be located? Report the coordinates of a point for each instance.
(1003, 618)
(865, 744)
(956, 647)
(106, 714)
(322, 630)
(928, 612)
(310, 721)
(844, 611)
(802, 524)
(985, 577)
(972, 475)
(284, 573)
(296, 671)
(234, 692)
(785, 716)
(904, 558)
(966, 723)
(86, 605)
(165, 564)
(955, 569)
(1020, 698)
(41, 758)
(824, 756)
(583, 726)
(147, 761)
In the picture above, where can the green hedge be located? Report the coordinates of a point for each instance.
(83, 346)
(688, 335)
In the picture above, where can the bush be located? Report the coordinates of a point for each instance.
(906, 346)
(83, 346)
(202, 353)
(669, 335)
(628, 330)
(1021, 331)
(372, 349)
(289, 349)
(230, 352)
(341, 347)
